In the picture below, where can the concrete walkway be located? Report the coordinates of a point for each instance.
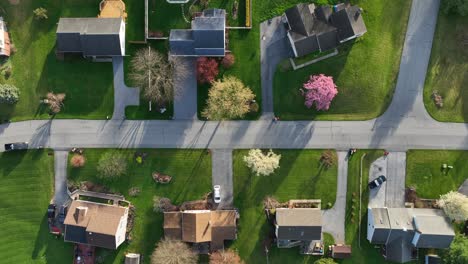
(60, 166)
(274, 48)
(377, 196)
(185, 101)
(334, 218)
(123, 95)
(222, 175)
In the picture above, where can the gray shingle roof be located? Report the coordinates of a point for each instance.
(90, 36)
(206, 38)
(323, 26)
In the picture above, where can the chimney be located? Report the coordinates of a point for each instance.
(80, 213)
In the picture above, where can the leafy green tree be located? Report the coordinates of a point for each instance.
(111, 165)
(458, 251)
(455, 6)
(228, 99)
(9, 94)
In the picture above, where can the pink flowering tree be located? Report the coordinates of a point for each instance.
(319, 89)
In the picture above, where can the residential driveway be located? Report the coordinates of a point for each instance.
(396, 172)
(392, 193)
(123, 95)
(334, 218)
(185, 81)
(60, 165)
(222, 175)
(377, 195)
(274, 47)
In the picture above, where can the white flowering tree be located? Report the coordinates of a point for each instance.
(455, 205)
(262, 164)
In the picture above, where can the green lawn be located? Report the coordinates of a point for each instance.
(423, 171)
(298, 177)
(447, 71)
(26, 186)
(35, 70)
(364, 71)
(191, 171)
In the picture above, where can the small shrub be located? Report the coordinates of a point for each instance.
(40, 13)
(134, 191)
(9, 94)
(162, 204)
(139, 160)
(270, 202)
(327, 159)
(207, 70)
(228, 61)
(77, 161)
(329, 205)
(254, 107)
(55, 102)
(438, 99)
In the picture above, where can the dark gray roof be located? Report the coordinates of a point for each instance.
(206, 38)
(299, 224)
(435, 231)
(464, 188)
(75, 234)
(90, 36)
(349, 22)
(399, 251)
(322, 26)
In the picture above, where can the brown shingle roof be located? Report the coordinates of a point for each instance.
(99, 218)
(201, 226)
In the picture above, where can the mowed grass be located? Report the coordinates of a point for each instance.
(26, 187)
(191, 172)
(424, 171)
(448, 68)
(35, 70)
(300, 176)
(365, 70)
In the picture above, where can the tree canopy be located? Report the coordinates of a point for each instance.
(458, 251)
(455, 205)
(173, 252)
(321, 90)
(262, 164)
(455, 6)
(228, 99)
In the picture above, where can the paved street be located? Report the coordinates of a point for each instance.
(60, 165)
(222, 175)
(334, 218)
(123, 95)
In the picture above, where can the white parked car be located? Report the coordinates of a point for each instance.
(217, 193)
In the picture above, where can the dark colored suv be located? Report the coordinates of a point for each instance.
(377, 182)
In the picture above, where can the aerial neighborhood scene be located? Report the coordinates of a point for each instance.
(233, 131)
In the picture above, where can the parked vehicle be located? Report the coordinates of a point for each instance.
(16, 146)
(217, 193)
(377, 182)
(51, 211)
(62, 214)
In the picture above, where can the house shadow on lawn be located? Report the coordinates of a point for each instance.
(51, 247)
(88, 86)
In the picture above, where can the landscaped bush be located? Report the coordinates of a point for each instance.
(228, 61)
(40, 13)
(207, 70)
(319, 89)
(55, 102)
(262, 164)
(9, 94)
(455, 205)
(174, 252)
(111, 165)
(134, 191)
(225, 257)
(162, 204)
(77, 161)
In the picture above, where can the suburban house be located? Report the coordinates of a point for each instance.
(95, 38)
(5, 45)
(199, 227)
(96, 224)
(403, 230)
(298, 227)
(206, 38)
(321, 28)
